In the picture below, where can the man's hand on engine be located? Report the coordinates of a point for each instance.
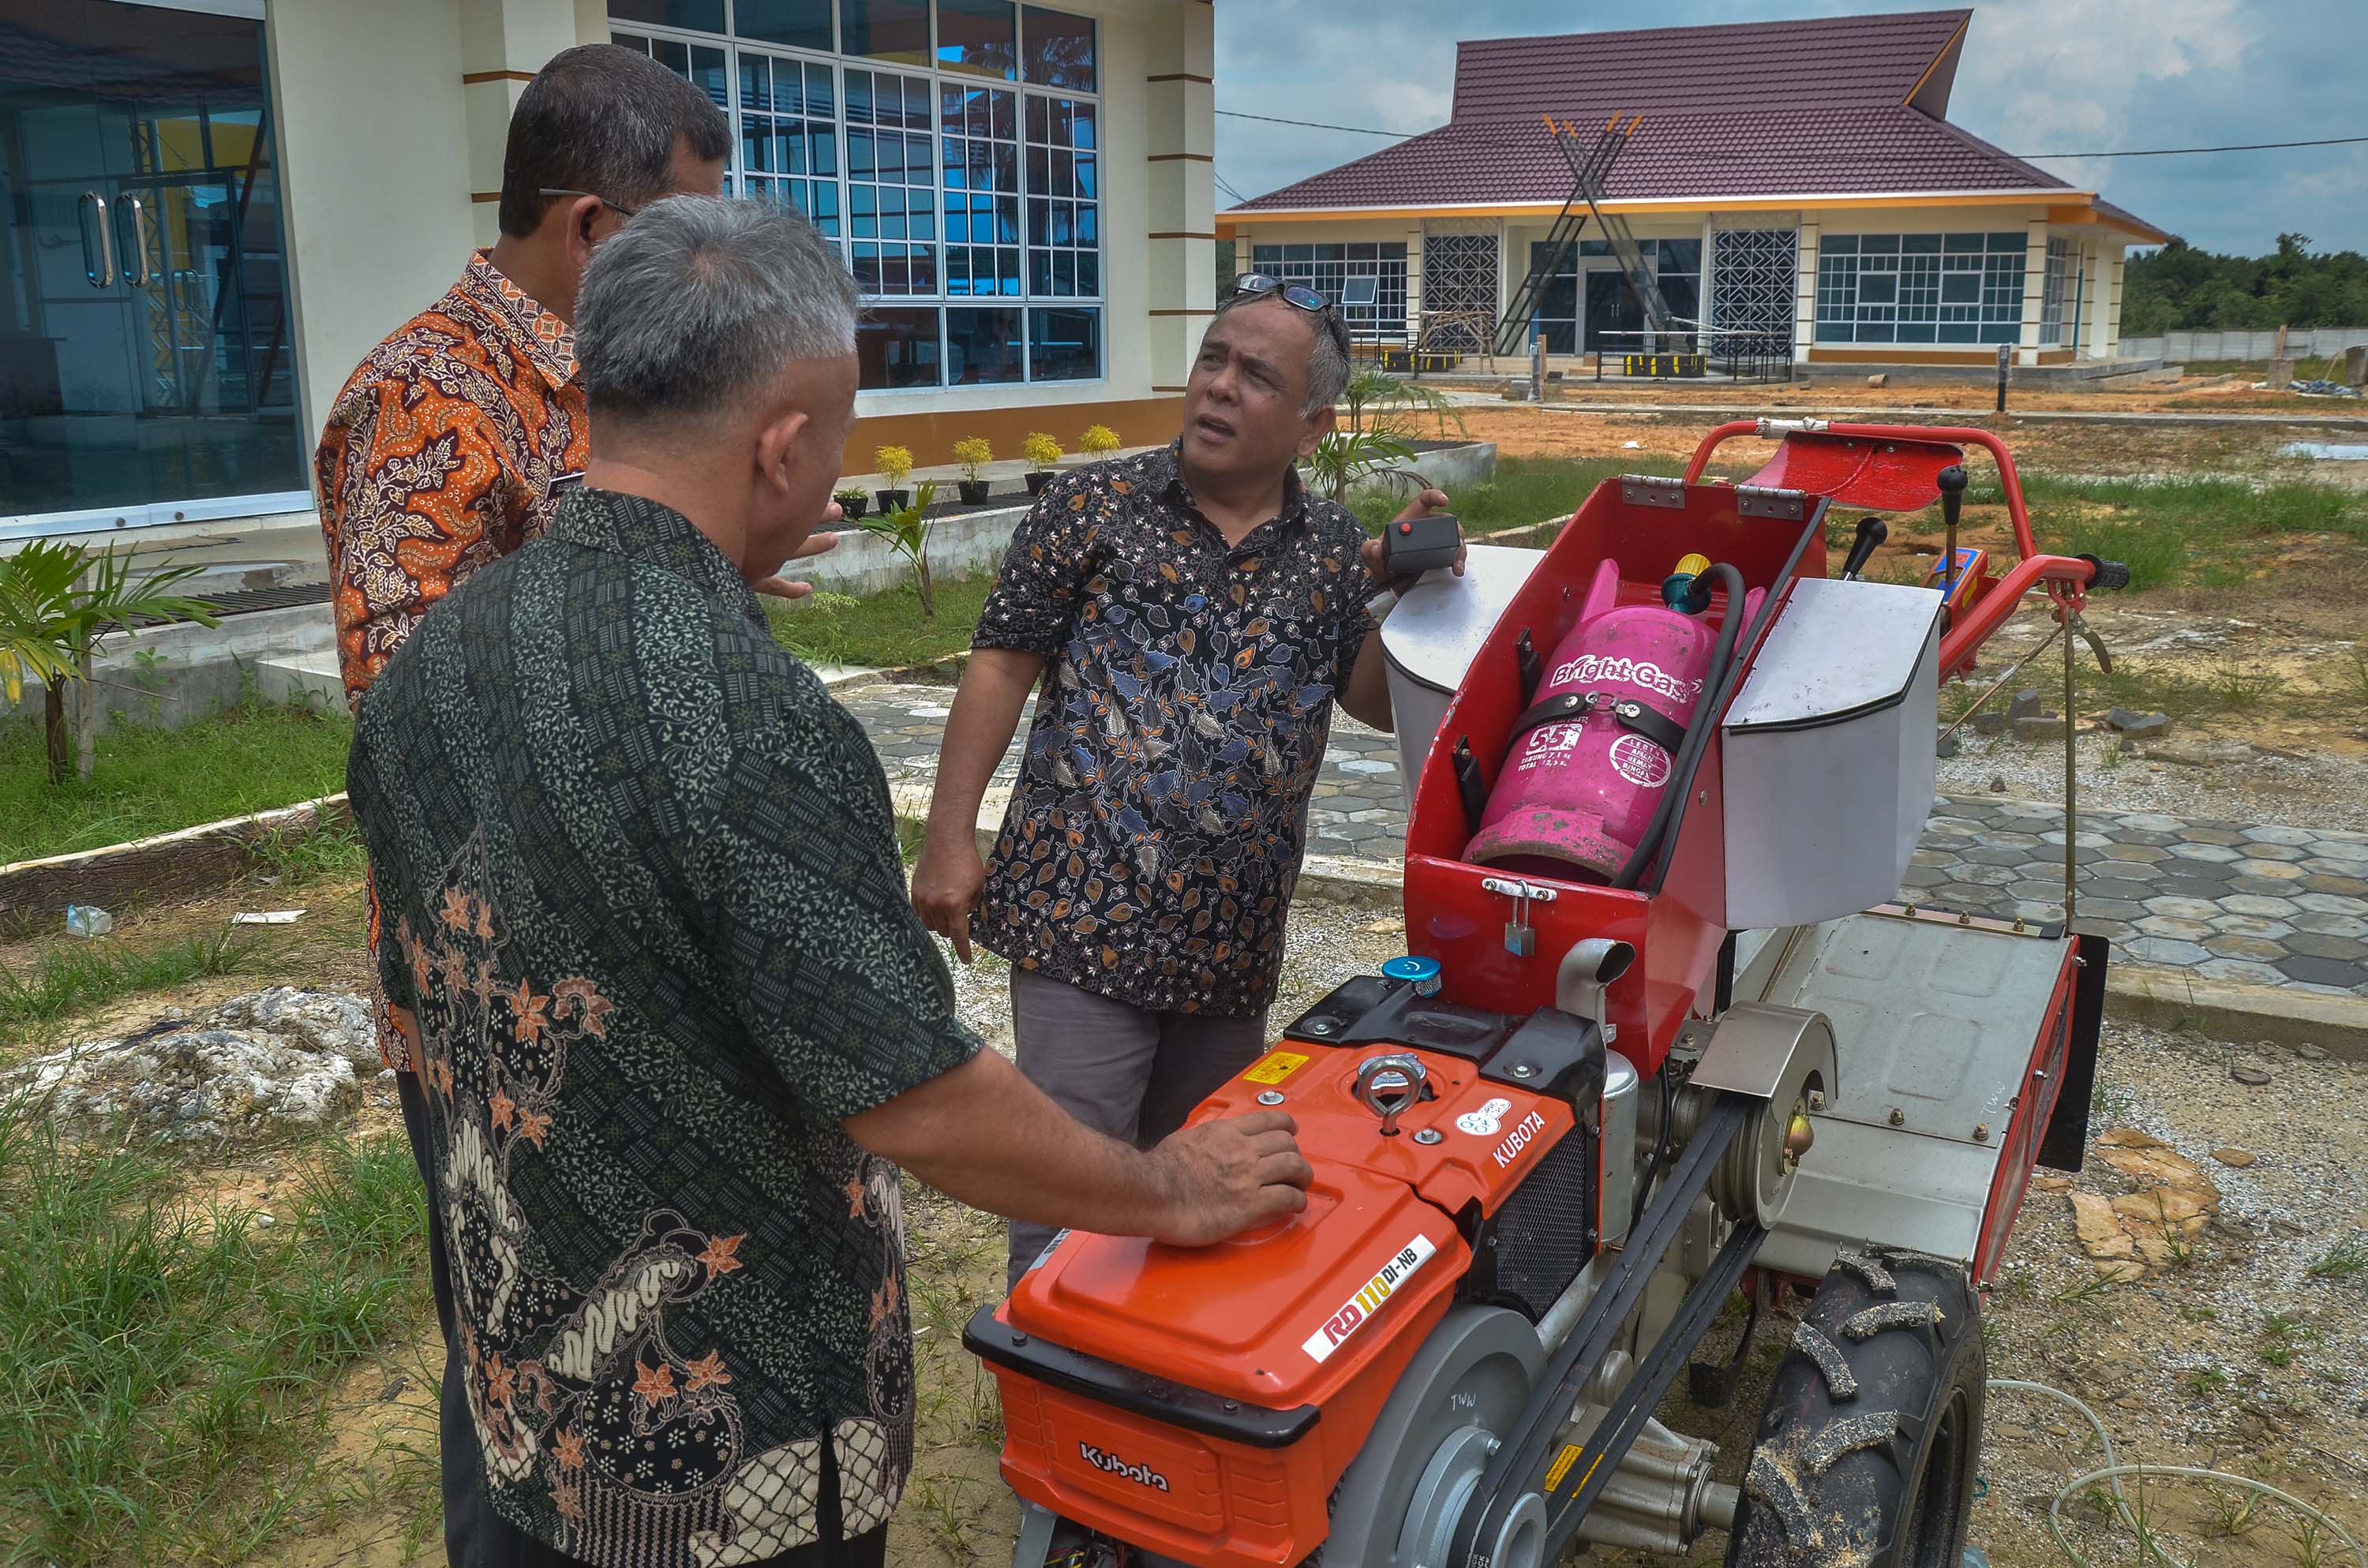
(1223, 1176)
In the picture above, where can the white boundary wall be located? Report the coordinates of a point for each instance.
(2302, 342)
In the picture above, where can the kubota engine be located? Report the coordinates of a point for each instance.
(1457, 1157)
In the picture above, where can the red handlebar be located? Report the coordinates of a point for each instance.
(1954, 435)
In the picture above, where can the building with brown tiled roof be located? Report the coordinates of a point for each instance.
(1793, 183)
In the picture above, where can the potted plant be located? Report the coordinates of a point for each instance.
(851, 502)
(1041, 452)
(974, 454)
(895, 462)
(1098, 441)
(905, 530)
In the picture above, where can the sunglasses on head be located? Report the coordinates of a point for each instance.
(1299, 297)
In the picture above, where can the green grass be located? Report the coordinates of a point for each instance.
(886, 632)
(2172, 532)
(71, 979)
(164, 1367)
(252, 759)
(1525, 491)
(2348, 1260)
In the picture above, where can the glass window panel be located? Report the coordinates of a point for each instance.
(820, 97)
(858, 97)
(1039, 117)
(756, 146)
(983, 347)
(2008, 242)
(980, 36)
(700, 16)
(802, 24)
(1920, 244)
(862, 159)
(639, 45)
(886, 30)
(897, 347)
(1680, 255)
(1878, 287)
(1059, 49)
(1065, 345)
(1961, 245)
(1089, 272)
(1839, 244)
(1878, 245)
(792, 152)
(755, 82)
(709, 74)
(822, 150)
(1961, 288)
(673, 56)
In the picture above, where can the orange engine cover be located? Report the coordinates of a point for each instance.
(1203, 1402)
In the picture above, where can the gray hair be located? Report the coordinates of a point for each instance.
(698, 302)
(1327, 363)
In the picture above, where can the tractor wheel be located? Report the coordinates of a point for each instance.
(1871, 1430)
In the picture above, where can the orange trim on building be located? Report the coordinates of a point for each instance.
(1184, 76)
(2090, 213)
(1954, 39)
(1675, 204)
(482, 196)
(1139, 422)
(1180, 158)
(470, 79)
(1984, 356)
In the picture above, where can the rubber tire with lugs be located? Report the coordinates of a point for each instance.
(1869, 1439)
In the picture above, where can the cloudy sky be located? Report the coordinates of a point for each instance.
(2038, 76)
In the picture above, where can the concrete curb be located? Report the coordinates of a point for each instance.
(2243, 1015)
(192, 859)
(1714, 412)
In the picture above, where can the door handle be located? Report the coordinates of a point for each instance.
(144, 276)
(102, 275)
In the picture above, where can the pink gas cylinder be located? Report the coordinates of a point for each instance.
(1592, 757)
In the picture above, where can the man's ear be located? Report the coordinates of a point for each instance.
(1319, 424)
(780, 449)
(582, 214)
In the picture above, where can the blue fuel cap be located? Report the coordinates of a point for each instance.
(1422, 972)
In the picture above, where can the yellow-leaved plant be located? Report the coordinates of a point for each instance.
(973, 453)
(1040, 449)
(1098, 441)
(894, 462)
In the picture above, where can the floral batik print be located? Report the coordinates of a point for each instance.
(640, 896)
(1156, 835)
(439, 456)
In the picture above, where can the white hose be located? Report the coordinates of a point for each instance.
(2112, 1472)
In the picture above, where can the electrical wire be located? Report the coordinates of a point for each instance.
(2113, 1470)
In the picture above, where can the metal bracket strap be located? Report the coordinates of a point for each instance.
(1653, 490)
(1761, 500)
(1520, 1465)
(1655, 726)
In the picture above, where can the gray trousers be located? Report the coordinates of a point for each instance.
(1123, 1070)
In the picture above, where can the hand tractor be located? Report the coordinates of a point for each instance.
(1664, 1038)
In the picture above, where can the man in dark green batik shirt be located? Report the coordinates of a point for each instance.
(648, 930)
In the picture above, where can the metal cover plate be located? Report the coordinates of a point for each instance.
(1437, 626)
(1838, 649)
(1935, 1020)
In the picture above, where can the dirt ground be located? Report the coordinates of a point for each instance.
(2211, 393)
(2232, 1357)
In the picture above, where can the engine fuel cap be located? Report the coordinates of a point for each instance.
(1422, 974)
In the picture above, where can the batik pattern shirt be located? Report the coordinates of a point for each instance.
(438, 457)
(643, 902)
(1155, 832)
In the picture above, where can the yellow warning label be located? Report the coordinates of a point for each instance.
(1275, 1067)
(1561, 1466)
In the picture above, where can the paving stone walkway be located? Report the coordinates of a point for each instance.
(2259, 904)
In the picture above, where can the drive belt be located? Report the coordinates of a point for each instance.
(1655, 726)
(1519, 1466)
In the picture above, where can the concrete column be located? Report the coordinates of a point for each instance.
(2092, 297)
(2108, 318)
(1180, 158)
(1708, 238)
(1804, 297)
(2034, 290)
(1414, 281)
(502, 44)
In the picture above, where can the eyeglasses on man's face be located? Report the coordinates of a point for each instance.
(620, 209)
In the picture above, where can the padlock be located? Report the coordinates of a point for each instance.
(1520, 940)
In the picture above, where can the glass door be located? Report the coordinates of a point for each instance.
(147, 364)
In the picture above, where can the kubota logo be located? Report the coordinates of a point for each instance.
(1110, 1464)
(1529, 1127)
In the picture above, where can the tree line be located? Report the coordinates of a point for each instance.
(2179, 288)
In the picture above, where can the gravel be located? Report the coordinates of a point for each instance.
(2322, 792)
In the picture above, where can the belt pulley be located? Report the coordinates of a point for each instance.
(1515, 1477)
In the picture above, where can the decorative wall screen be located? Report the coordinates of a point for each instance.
(1754, 276)
(1460, 274)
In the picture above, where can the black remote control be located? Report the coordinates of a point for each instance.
(1415, 545)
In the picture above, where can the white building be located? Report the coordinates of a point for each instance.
(214, 207)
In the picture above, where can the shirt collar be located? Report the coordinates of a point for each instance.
(534, 333)
(643, 529)
(1165, 469)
